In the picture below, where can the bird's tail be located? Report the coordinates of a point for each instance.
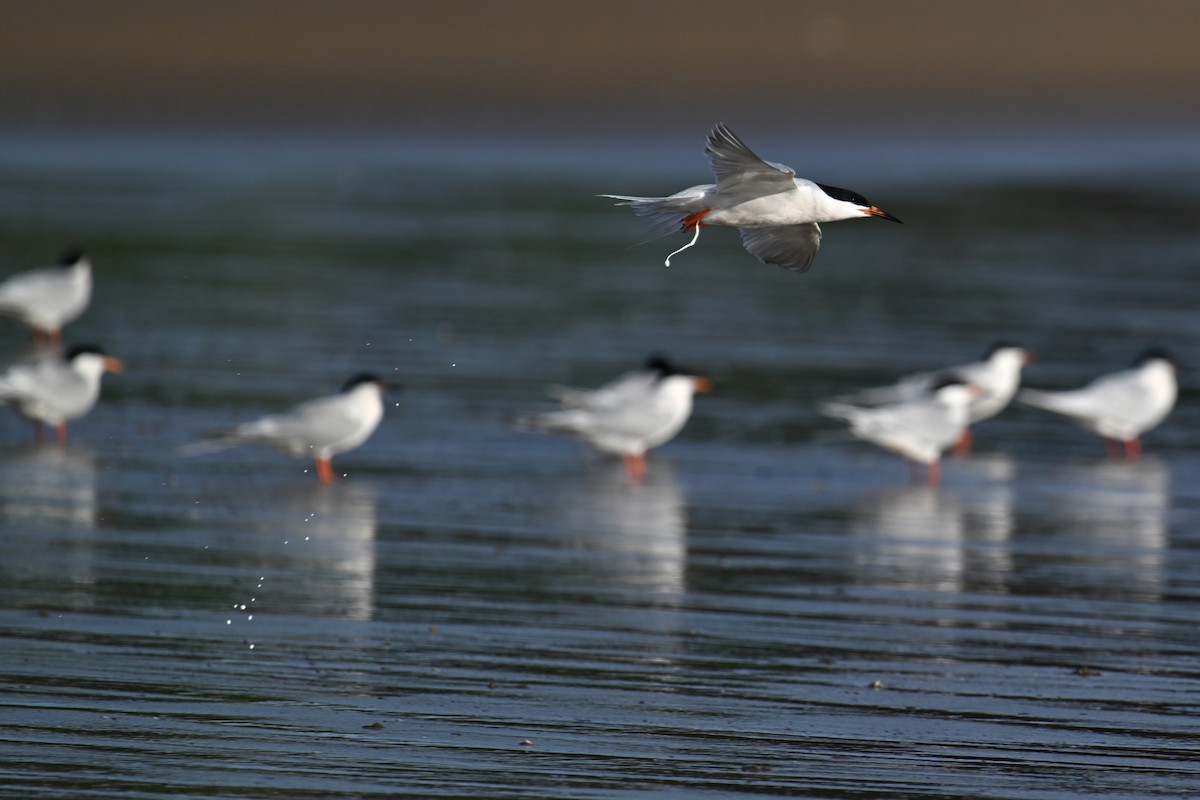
(210, 443)
(839, 410)
(567, 396)
(1056, 402)
(562, 421)
(665, 214)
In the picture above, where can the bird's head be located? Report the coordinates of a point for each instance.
(859, 203)
(953, 389)
(1005, 350)
(90, 354)
(1156, 355)
(368, 379)
(659, 364)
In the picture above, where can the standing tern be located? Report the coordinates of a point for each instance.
(634, 413)
(317, 429)
(998, 376)
(776, 213)
(919, 429)
(47, 298)
(55, 389)
(1120, 406)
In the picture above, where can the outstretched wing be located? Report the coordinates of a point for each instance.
(737, 167)
(789, 246)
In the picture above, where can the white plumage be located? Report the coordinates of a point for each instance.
(776, 213)
(56, 389)
(997, 377)
(1120, 406)
(48, 298)
(634, 413)
(318, 429)
(919, 429)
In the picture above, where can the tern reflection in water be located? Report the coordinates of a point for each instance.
(641, 527)
(316, 549)
(919, 537)
(49, 509)
(1116, 513)
(47, 484)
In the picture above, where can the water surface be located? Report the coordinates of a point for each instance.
(475, 612)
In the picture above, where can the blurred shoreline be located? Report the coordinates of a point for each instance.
(538, 71)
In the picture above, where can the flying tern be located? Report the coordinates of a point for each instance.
(777, 214)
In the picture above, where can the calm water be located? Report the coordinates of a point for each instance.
(475, 612)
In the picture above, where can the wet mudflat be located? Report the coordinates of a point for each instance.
(476, 612)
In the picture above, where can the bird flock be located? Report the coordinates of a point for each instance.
(920, 417)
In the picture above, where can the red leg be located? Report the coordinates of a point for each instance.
(324, 470)
(1133, 449)
(635, 467)
(692, 221)
(964, 442)
(62, 434)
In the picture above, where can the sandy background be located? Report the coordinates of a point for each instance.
(569, 68)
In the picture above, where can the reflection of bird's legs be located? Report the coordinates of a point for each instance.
(1133, 449)
(47, 338)
(964, 443)
(324, 470)
(931, 474)
(62, 434)
(635, 466)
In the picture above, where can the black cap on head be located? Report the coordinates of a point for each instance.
(1001, 344)
(70, 256)
(79, 349)
(948, 379)
(845, 195)
(360, 378)
(657, 362)
(1154, 354)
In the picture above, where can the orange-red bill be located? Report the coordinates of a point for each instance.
(876, 211)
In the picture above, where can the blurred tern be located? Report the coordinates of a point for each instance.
(47, 298)
(56, 389)
(998, 376)
(634, 413)
(776, 213)
(317, 429)
(1120, 406)
(919, 429)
